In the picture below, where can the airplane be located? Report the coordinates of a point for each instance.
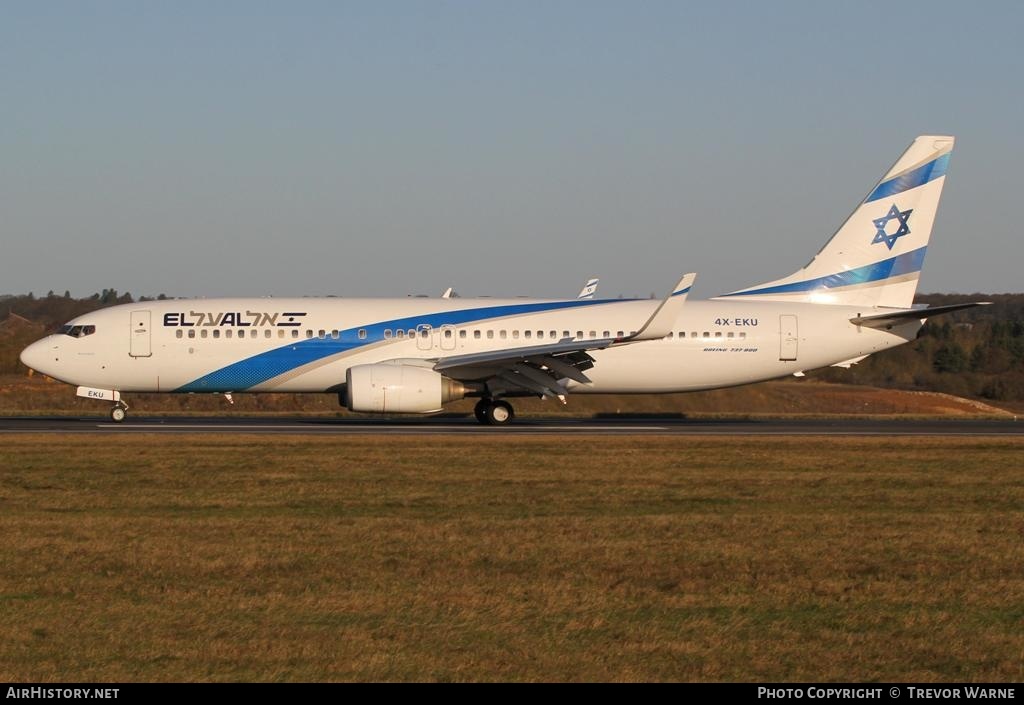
(587, 292)
(589, 289)
(413, 355)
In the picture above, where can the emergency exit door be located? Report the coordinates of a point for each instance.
(141, 335)
(788, 338)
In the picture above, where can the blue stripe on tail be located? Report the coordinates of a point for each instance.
(886, 269)
(912, 179)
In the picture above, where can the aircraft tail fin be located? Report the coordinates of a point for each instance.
(875, 258)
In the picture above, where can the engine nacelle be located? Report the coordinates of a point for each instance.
(398, 389)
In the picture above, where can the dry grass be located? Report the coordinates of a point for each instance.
(286, 558)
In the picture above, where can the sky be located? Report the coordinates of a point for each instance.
(379, 148)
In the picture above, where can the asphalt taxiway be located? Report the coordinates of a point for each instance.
(448, 425)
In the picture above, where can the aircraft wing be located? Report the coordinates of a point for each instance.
(540, 369)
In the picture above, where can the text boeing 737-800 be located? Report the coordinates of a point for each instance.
(413, 355)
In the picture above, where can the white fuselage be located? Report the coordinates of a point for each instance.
(306, 345)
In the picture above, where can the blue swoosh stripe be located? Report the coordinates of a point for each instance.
(259, 368)
(886, 269)
(682, 291)
(912, 179)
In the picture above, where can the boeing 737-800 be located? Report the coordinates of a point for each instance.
(413, 355)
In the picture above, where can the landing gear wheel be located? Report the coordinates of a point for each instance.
(118, 413)
(499, 413)
(480, 410)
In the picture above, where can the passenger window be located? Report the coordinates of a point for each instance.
(554, 334)
(743, 334)
(579, 334)
(540, 334)
(399, 333)
(606, 334)
(718, 334)
(191, 332)
(227, 333)
(730, 334)
(593, 334)
(503, 334)
(490, 334)
(387, 334)
(619, 334)
(515, 334)
(462, 334)
(322, 334)
(565, 334)
(693, 334)
(203, 333)
(295, 332)
(706, 335)
(447, 333)
(216, 332)
(178, 333)
(527, 334)
(476, 335)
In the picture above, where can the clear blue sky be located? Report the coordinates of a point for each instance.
(384, 148)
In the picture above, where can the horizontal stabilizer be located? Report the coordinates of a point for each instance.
(883, 319)
(847, 364)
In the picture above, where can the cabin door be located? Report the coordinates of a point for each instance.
(788, 338)
(141, 345)
(424, 337)
(447, 337)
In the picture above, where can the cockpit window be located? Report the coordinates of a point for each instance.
(76, 331)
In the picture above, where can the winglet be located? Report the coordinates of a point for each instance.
(660, 324)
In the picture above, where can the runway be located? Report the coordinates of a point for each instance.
(448, 425)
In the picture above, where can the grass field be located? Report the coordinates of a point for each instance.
(532, 558)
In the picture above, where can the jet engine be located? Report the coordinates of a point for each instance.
(394, 388)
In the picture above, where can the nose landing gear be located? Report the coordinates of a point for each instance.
(118, 412)
(493, 412)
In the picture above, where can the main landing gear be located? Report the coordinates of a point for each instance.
(493, 412)
(118, 412)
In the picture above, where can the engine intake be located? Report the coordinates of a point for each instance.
(394, 388)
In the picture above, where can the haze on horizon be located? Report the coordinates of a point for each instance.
(388, 148)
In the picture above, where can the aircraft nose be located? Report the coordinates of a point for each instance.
(38, 356)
